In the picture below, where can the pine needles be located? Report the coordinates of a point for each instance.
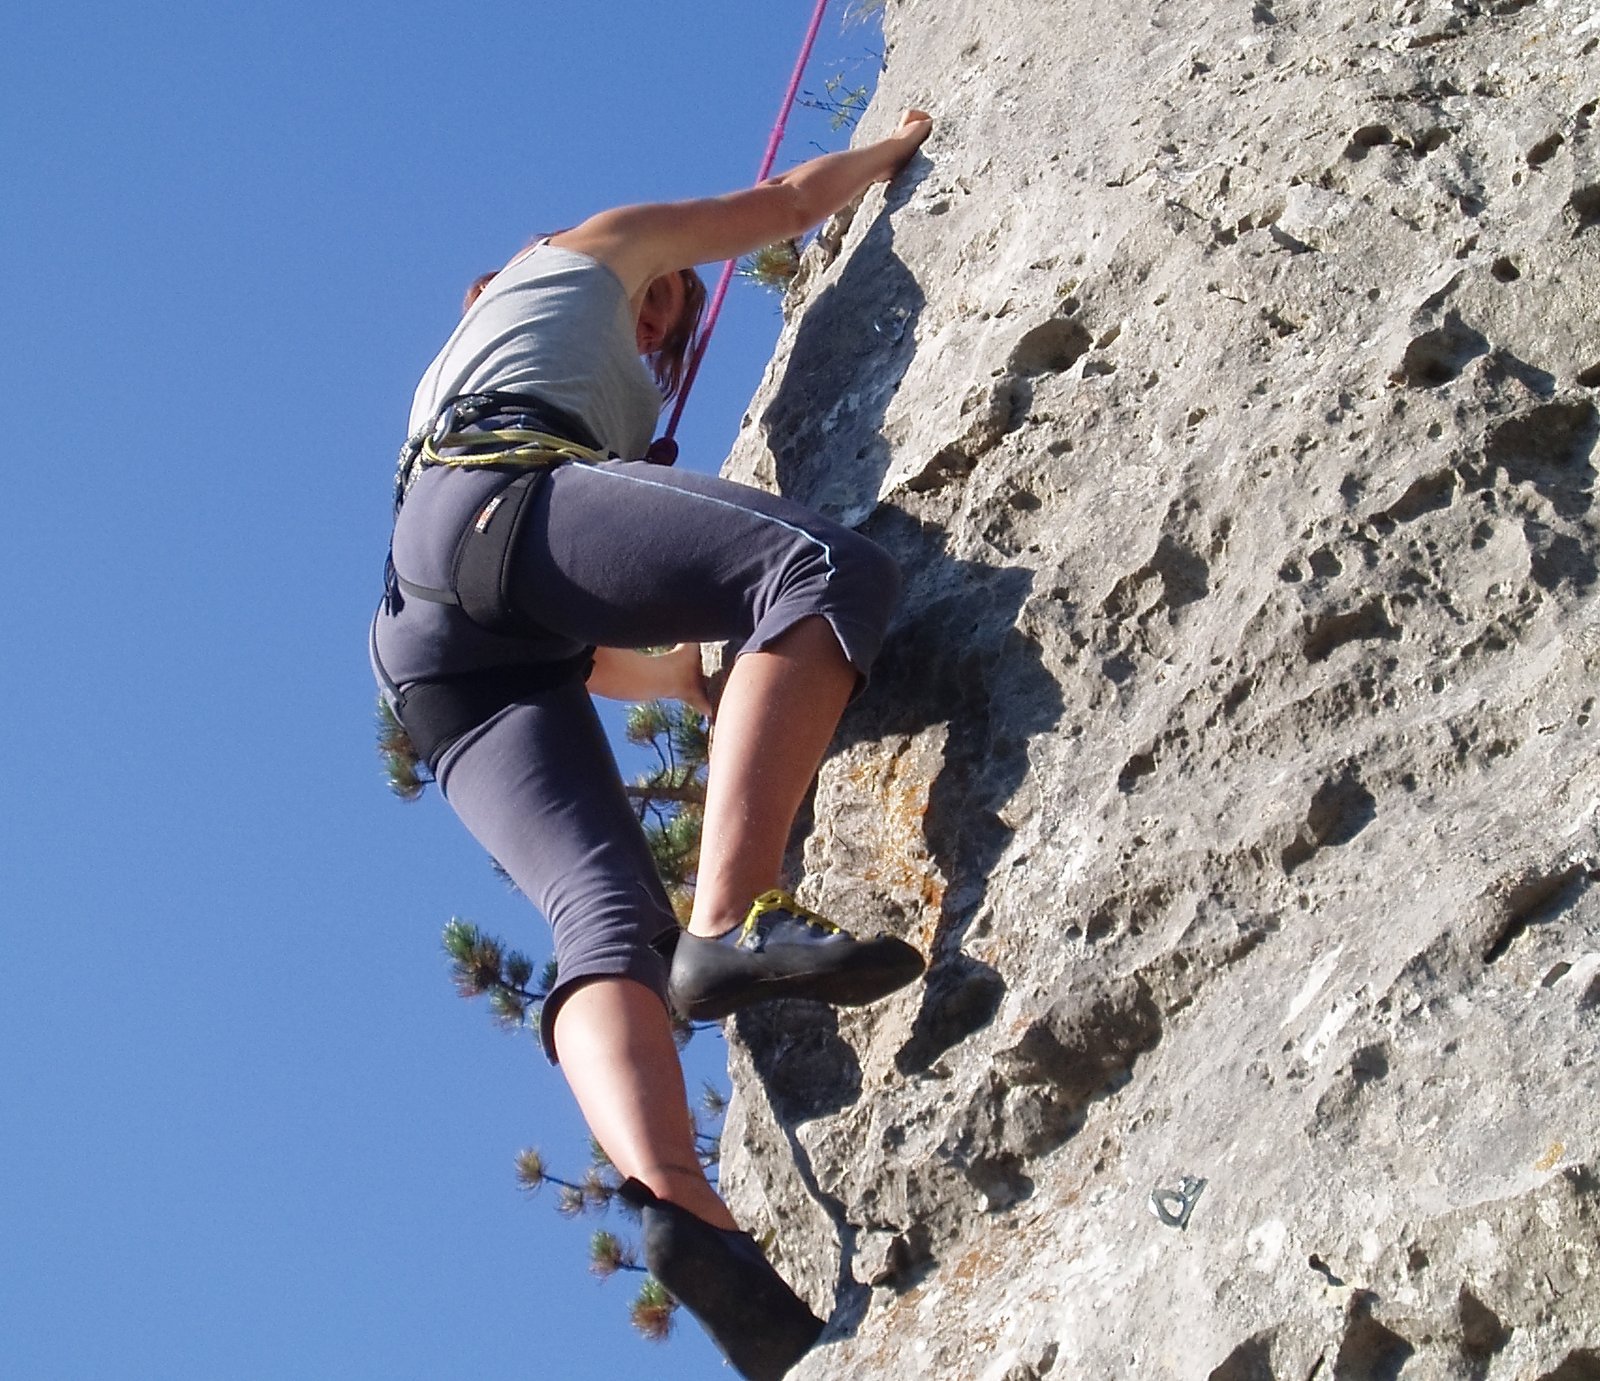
(670, 796)
(403, 768)
(652, 1310)
(481, 966)
(773, 266)
(841, 103)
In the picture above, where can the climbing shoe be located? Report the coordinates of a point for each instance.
(784, 950)
(721, 1277)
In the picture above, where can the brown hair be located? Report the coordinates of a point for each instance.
(479, 283)
(671, 362)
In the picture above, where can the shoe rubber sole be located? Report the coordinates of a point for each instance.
(717, 980)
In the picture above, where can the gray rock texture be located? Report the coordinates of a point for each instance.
(1227, 380)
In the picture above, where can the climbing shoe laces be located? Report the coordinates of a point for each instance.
(776, 914)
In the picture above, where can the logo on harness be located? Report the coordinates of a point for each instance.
(482, 525)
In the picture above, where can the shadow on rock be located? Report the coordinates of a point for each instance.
(1549, 449)
(955, 656)
(852, 349)
(806, 1067)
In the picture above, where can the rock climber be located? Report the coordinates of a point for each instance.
(534, 550)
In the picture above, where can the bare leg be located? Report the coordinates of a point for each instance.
(616, 1049)
(778, 713)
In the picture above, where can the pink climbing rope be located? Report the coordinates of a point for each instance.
(766, 168)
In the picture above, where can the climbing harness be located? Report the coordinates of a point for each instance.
(552, 435)
(767, 159)
(481, 566)
(538, 438)
(535, 438)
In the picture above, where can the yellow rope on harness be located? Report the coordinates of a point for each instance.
(511, 447)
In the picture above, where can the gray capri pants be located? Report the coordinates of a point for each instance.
(619, 554)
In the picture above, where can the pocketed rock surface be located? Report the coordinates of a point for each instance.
(1227, 382)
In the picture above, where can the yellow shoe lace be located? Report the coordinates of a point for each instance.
(777, 900)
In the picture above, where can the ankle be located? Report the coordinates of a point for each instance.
(713, 930)
(716, 921)
(688, 1190)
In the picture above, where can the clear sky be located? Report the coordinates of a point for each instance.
(247, 1130)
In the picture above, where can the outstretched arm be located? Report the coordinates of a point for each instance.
(640, 243)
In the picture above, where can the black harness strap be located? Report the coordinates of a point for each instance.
(480, 571)
(438, 711)
(482, 574)
(425, 592)
(473, 406)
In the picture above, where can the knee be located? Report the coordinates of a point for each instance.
(868, 578)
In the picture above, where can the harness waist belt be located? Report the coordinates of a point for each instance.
(467, 408)
(559, 433)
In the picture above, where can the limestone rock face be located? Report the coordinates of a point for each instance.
(1226, 379)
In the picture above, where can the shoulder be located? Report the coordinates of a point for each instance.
(639, 243)
(551, 259)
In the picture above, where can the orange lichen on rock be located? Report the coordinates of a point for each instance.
(895, 842)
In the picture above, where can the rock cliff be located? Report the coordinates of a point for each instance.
(1225, 379)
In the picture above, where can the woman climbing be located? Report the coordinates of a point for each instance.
(526, 566)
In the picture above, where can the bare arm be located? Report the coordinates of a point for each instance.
(621, 674)
(640, 243)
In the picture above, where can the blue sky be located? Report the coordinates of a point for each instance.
(246, 1128)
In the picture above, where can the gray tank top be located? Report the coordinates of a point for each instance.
(556, 324)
